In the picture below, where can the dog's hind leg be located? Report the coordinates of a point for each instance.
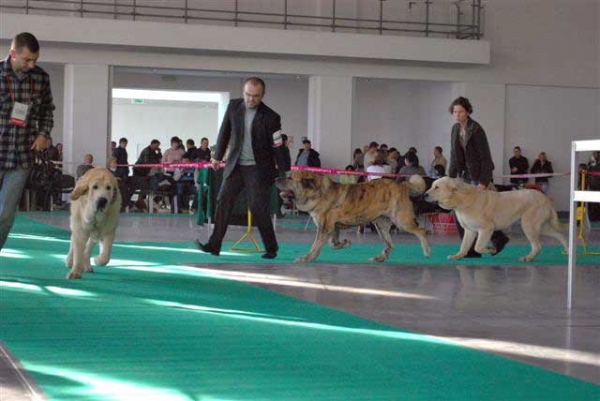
(409, 224)
(467, 241)
(334, 240)
(553, 228)
(383, 225)
(532, 232)
(105, 248)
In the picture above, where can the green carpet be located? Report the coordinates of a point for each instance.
(148, 329)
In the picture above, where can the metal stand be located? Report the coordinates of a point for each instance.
(250, 235)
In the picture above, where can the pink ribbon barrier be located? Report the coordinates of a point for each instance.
(335, 171)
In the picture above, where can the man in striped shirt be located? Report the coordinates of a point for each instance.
(26, 119)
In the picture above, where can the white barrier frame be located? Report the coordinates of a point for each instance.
(577, 196)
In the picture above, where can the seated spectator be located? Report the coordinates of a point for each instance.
(111, 164)
(379, 165)
(201, 154)
(307, 156)
(393, 160)
(348, 179)
(438, 160)
(542, 165)
(173, 155)
(519, 165)
(411, 166)
(190, 150)
(358, 159)
(120, 153)
(185, 187)
(439, 171)
(88, 164)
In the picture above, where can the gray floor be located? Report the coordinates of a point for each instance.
(517, 311)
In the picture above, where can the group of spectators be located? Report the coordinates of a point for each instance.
(376, 158)
(177, 183)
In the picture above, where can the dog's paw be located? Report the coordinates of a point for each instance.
(378, 259)
(74, 275)
(341, 245)
(525, 259)
(304, 258)
(101, 261)
(88, 269)
(455, 257)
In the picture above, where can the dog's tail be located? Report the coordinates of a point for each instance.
(417, 185)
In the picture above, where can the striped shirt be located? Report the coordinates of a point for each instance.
(33, 89)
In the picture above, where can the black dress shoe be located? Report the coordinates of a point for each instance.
(269, 255)
(207, 248)
(500, 243)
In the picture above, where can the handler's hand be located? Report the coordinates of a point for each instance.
(215, 164)
(40, 143)
(482, 187)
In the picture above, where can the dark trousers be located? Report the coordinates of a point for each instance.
(259, 202)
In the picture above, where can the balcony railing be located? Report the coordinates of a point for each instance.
(457, 19)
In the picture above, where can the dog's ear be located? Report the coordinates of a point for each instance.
(80, 189)
(115, 192)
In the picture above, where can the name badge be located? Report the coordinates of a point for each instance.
(18, 116)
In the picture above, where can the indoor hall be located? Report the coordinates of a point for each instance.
(164, 321)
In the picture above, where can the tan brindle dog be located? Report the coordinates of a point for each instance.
(335, 206)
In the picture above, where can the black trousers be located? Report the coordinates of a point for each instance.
(259, 202)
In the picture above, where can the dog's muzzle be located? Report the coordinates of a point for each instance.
(281, 182)
(101, 203)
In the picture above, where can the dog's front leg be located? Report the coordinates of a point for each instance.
(483, 239)
(78, 245)
(69, 260)
(320, 241)
(105, 248)
(87, 256)
(467, 241)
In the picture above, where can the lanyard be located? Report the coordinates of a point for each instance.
(12, 96)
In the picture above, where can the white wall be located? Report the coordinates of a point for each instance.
(287, 95)
(140, 123)
(543, 119)
(402, 114)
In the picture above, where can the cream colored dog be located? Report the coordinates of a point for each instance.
(95, 205)
(483, 212)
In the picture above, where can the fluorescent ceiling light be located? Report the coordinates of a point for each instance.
(214, 97)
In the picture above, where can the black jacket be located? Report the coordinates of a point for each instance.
(266, 127)
(313, 158)
(538, 168)
(474, 162)
(522, 165)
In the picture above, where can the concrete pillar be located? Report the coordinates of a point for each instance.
(330, 100)
(86, 114)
